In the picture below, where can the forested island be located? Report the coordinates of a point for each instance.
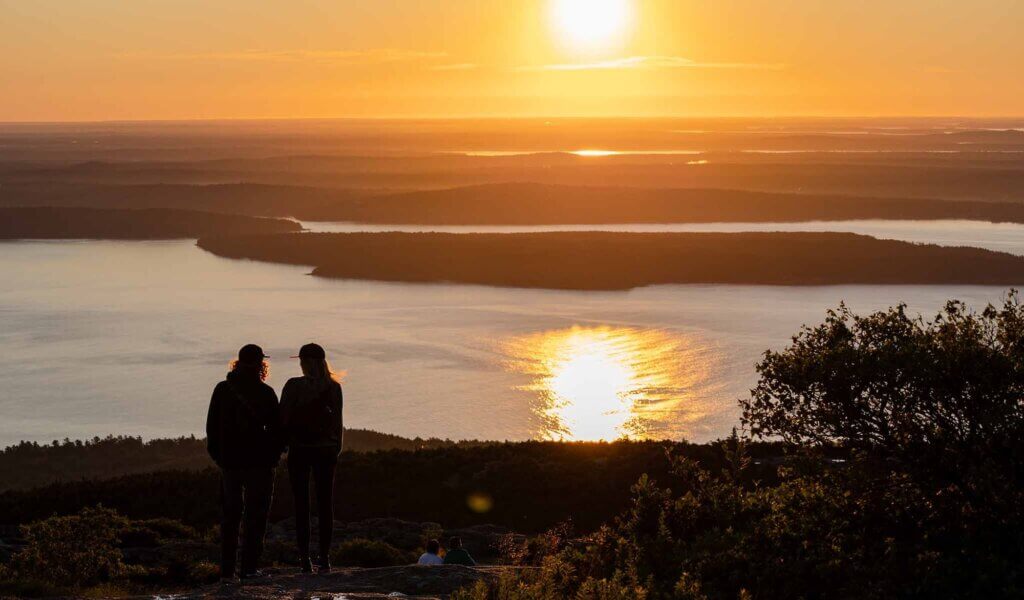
(617, 261)
(142, 224)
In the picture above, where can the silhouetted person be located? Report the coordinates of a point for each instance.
(311, 408)
(430, 557)
(243, 436)
(457, 555)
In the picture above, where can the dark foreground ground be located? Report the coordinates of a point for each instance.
(356, 583)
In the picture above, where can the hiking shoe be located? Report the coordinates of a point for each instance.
(306, 564)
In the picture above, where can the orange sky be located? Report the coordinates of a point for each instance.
(187, 59)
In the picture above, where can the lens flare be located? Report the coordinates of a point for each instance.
(480, 502)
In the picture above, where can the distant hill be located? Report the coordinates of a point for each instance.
(968, 173)
(617, 261)
(64, 222)
(507, 203)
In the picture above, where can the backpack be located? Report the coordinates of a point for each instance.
(312, 421)
(247, 420)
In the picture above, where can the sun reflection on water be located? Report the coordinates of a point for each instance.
(604, 383)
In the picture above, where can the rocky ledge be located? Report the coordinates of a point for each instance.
(353, 583)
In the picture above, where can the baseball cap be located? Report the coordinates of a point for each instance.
(251, 353)
(312, 351)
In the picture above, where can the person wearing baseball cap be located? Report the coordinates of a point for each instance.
(243, 436)
(311, 417)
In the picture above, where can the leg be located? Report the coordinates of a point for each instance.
(298, 476)
(323, 476)
(259, 490)
(231, 499)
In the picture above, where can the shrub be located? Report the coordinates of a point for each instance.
(136, 536)
(75, 551)
(148, 533)
(170, 529)
(514, 549)
(431, 531)
(370, 553)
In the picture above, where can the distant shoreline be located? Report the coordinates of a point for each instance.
(622, 261)
(59, 223)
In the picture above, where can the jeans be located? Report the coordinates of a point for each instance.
(246, 495)
(320, 463)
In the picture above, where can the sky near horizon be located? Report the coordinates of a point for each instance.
(67, 60)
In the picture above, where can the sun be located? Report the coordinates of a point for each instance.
(590, 23)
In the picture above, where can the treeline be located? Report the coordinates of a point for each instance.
(616, 261)
(510, 203)
(235, 198)
(156, 223)
(540, 204)
(528, 486)
(30, 464)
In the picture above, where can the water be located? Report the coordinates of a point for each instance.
(1001, 237)
(119, 337)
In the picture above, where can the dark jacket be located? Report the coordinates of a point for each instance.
(311, 414)
(243, 426)
(459, 556)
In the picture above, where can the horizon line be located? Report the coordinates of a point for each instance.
(502, 117)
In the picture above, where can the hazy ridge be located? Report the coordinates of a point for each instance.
(507, 204)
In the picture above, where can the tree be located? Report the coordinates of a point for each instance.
(942, 400)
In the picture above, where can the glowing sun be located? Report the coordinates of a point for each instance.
(588, 23)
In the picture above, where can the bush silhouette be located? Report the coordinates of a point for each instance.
(939, 400)
(370, 553)
(75, 551)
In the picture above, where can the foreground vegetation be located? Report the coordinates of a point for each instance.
(903, 474)
(529, 486)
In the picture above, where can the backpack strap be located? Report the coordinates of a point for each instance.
(246, 406)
